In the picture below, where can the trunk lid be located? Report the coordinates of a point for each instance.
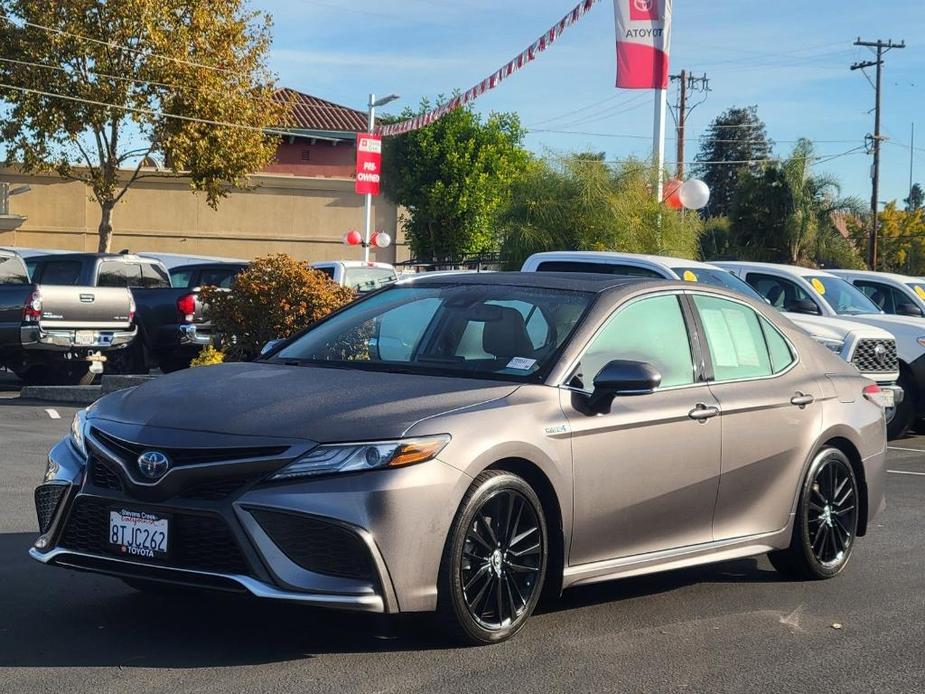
(97, 308)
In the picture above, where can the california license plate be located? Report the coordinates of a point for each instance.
(138, 533)
(887, 397)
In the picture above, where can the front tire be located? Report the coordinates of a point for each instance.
(826, 523)
(494, 562)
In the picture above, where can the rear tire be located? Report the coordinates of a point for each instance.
(826, 523)
(905, 411)
(494, 561)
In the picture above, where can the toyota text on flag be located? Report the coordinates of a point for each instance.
(643, 43)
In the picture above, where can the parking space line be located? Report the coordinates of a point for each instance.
(910, 450)
(907, 472)
(53, 414)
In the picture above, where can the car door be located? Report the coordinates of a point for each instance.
(647, 472)
(770, 415)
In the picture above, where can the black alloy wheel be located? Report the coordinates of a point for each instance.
(495, 560)
(827, 520)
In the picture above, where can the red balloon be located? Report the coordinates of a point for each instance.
(672, 194)
(353, 238)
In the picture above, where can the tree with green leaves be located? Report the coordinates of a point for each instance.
(916, 199)
(785, 213)
(453, 177)
(89, 85)
(580, 202)
(735, 143)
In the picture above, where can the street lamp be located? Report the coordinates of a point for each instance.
(373, 104)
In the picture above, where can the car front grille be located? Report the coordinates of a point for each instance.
(215, 490)
(197, 542)
(129, 451)
(876, 356)
(47, 499)
(102, 476)
(316, 545)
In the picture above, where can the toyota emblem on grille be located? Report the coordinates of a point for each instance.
(153, 464)
(880, 352)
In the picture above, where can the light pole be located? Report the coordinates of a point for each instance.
(373, 103)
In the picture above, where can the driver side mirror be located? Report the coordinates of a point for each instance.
(622, 378)
(806, 306)
(269, 347)
(909, 310)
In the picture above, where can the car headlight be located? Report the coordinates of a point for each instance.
(355, 457)
(834, 345)
(921, 341)
(78, 424)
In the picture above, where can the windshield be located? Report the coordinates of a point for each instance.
(481, 331)
(367, 279)
(718, 278)
(844, 298)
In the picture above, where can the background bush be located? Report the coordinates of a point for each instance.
(275, 297)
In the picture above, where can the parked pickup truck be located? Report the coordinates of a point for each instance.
(52, 334)
(162, 310)
(358, 275)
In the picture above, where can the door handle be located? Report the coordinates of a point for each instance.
(802, 400)
(703, 412)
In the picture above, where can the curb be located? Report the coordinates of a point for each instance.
(81, 395)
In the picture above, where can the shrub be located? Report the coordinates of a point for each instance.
(275, 297)
(208, 356)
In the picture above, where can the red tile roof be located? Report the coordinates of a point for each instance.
(311, 113)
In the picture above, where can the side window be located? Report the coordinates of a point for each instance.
(598, 268)
(181, 278)
(735, 337)
(218, 277)
(119, 274)
(880, 294)
(12, 270)
(651, 330)
(778, 348)
(61, 272)
(154, 276)
(781, 294)
(329, 271)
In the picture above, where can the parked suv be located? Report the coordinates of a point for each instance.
(851, 341)
(57, 335)
(819, 293)
(901, 295)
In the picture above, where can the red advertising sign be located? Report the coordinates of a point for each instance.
(369, 164)
(644, 10)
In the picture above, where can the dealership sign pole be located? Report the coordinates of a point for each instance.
(369, 166)
(643, 48)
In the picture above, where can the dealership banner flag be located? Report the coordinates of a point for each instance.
(643, 43)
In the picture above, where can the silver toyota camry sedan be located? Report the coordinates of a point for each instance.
(463, 444)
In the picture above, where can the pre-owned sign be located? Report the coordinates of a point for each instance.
(369, 164)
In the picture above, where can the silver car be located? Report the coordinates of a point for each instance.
(464, 444)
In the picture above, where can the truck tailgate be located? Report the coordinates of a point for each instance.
(85, 307)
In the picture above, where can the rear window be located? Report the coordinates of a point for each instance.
(218, 277)
(367, 279)
(596, 268)
(12, 271)
(60, 272)
(116, 273)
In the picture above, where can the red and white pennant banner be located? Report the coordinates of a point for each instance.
(493, 80)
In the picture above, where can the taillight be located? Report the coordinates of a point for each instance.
(132, 309)
(186, 307)
(32, 311)
(874, 394)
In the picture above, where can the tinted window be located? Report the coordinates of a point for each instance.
(154, 276)
(651, 330)
(116, 273)
(367, 279)
(597, 268)
(454, 330)
(12, 270)
(886, 298)
(735, 337)
(782, 294)
(181, 278)
(60, 272)
(844, 298)
(218, 277)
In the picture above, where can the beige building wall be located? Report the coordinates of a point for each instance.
(303, 217)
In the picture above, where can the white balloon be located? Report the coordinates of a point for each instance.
(383, 240)
(695, 194)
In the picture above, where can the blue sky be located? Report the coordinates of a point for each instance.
(789, 57)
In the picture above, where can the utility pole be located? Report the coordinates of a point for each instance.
(688, 83)
(882, 48)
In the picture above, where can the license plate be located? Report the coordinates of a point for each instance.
(84, 337)
(887, 397)
(138, 533)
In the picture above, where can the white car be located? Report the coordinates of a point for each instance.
(358, 275)
(821, 293)
(901, 295)
(850, 340)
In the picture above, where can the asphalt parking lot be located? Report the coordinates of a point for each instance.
(731, 627)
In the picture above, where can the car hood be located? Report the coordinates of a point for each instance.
(314, 403)
(836, 328)
(907, 326)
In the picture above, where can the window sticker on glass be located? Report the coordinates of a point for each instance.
(920, 291)
(690, 276)
(818, 286)
(521, 363)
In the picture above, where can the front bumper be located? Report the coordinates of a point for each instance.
(395, 521)
(34, 337)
